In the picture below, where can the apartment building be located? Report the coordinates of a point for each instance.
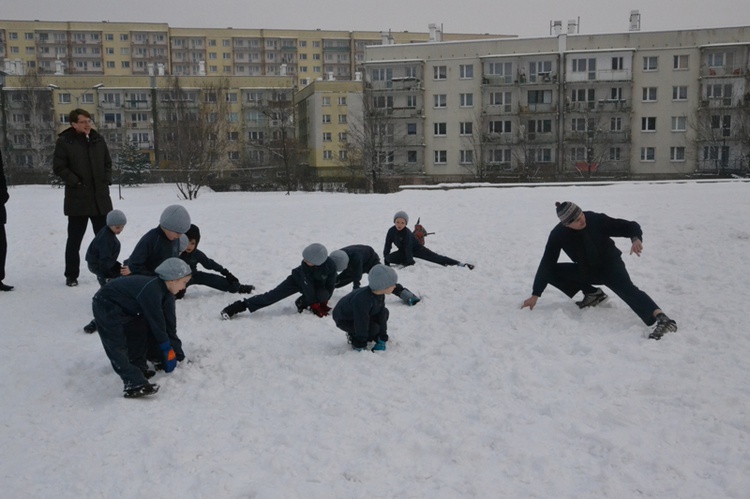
(637, 104)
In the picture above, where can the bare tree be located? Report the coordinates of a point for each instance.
(593, 140)
(192, 134)
(477, 143)
(721, 136)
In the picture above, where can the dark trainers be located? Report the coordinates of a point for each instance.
(246, 289)
(233, 309)
(71, 282)
(469, 266)
(592, 299)
(664, 325)
(141, 391)
(90, 327)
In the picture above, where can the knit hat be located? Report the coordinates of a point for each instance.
(172, 269)
(116, 217)
(184, 241)
(401, 214)
(341, 259)
(567, 212)
(381, 277)
(175, 218)
(315, 253)
(194, 233)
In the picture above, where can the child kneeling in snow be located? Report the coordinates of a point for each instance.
(127, 309)
(362, 314)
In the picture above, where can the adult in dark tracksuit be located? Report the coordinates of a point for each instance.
(315, 279)
(362, 314)
(4, 196)
(81, 159)
(128, 310)
(161, 242)
(357, 259)
(193, 257)
(408, 248)
(585, 237)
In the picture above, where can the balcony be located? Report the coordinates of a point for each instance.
(733, 71)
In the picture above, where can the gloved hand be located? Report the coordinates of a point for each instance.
(170, 359)
(320, 309)
(324, 306)
(231, 278)
(379, 346)
(233, 309)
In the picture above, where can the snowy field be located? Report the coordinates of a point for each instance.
(473, 398)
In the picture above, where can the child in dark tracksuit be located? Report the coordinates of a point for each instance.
(102, 253)
(161, 242)
(409, 248)
(362, 314)
(129, 310)
(315, 278)
(193, 256)
(357, 259)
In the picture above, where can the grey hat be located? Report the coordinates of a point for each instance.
(381, 277)
(172, 269)
(340, 258)
(175, 218)
(116, 217)
(315, 253)
(567, 212)
(184, 241)
(401, 214)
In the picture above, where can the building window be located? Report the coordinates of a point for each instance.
(342, 119)
(466, 100)
(503, 99)
(440, 72)
(466, 128)
(650, 63)
(411, 101)
(342, 137)
(617, 63)
(648, 153)
(677, 154)
(466, 71)
(466, 156)
(63, 99)
(325, 101)
(648, 124)
(499, 126)
(327, 154)
(499, 155)
(326, 136)
(441, 100)
(680, 92)
(679, 123)
(615, 154)
(578, 154)
(649, 94)
(343, 154)
(326, 118)
(232, 97)
(681, 62)
(503, 70)
(441, 157)
(342, 101)
(615, 124)
(411, 156)
(411, 129)
(440, 129)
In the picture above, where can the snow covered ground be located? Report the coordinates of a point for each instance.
(473, 398)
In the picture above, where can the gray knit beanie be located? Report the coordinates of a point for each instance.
(401, 214)
(341, 259)
(381, 277)
(116, 217)
(175, 218)
(567, 212)
(184, 241)
(172, 269)
(315, 253)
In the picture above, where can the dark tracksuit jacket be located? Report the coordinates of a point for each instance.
(363, 315)
(102, 254)
(211, 280)
(361, 259)
(153, 248)
(596, 260)
(316, 283)
(409, 249)
(119, 307)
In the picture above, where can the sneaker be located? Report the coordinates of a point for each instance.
(469, 266)
(664, 325)
(379, 346)
(5, 287)
(71, 282)
(141, 391)
(246, 289)
(592, 299)
(414, 300)
(90, 327)
(233, 309)
(148, 373)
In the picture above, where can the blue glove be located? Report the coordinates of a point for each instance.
(379, 346)
(170, 359)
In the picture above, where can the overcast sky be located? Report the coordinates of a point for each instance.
(523, 18)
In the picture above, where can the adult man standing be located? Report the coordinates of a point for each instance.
(585, 237)
(82, 160)
(3, 218)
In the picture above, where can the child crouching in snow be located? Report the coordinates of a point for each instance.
(408, 248)
(127, 310)
(362, 314)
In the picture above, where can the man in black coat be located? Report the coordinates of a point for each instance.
(586, 237)
(4, 196)
(82, 161)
